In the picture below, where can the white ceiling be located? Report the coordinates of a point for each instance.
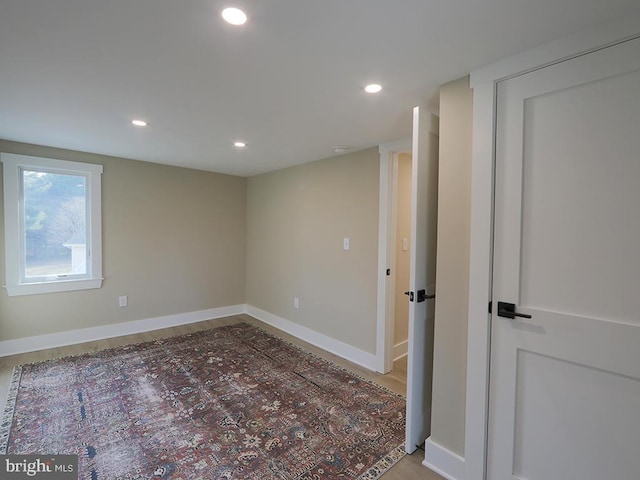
(73, 73)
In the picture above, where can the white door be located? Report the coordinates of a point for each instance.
(565, 384)
(424, 210)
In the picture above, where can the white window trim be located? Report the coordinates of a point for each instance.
(12, 164)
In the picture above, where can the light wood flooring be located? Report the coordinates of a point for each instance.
(410, 467)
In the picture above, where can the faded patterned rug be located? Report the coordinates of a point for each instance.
(228, 403)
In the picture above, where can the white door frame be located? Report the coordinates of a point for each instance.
(483, 82)
(387, 221)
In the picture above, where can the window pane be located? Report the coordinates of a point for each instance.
(54, 224)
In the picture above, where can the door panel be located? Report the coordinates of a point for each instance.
(582, 146)
(424, 210)
(546, 403)
(565, 384)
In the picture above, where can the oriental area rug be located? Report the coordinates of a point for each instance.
(233, 402)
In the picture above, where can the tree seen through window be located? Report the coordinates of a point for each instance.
(54, 223)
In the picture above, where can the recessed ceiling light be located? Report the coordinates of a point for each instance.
(234, 16)
(341, 148)
(373, 88)
(139, 123)
(239, 144)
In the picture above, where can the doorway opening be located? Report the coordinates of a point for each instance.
(394, 247)
(390, 280)
(401, 204)
(422, 265)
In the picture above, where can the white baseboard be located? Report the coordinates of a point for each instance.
(443, 461)
(53, 340)
(400, 350)
(72, 337)
(355, 355)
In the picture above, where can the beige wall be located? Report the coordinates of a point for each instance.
(173, 241)
(296, 221)
(403, 230)
(452, 278)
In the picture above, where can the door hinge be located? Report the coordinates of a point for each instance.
(490, 307)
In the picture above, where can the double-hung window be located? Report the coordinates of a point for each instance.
(53, 225)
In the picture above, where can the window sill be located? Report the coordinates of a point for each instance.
(53, 287)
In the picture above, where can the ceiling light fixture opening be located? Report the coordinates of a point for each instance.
(341, 149)
(239, 144)
(139, 123)
(373, 88)
(234, 16)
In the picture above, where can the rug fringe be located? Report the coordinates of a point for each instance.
(383, 465)
(10, 405)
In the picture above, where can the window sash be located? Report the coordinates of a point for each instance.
(24, 278)
(17, 282)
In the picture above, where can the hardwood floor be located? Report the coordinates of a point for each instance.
(410, 467)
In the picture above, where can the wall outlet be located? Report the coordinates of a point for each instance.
(122, 301)
(296, 302)
(345, 243)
